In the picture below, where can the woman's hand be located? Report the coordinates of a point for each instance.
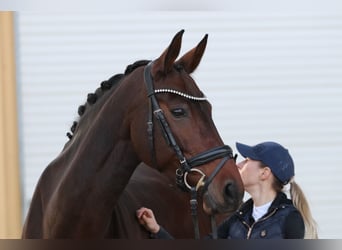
(146, 218)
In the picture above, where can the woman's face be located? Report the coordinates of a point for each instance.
(250, 172)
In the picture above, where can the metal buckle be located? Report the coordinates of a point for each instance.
(157, 111)
(200, 183)
(179, 172)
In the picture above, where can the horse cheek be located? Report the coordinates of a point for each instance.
(140, 140)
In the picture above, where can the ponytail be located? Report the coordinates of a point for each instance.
(301, 203)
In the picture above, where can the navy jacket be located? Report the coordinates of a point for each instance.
(282, 221)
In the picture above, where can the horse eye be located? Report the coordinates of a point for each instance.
(178, 112)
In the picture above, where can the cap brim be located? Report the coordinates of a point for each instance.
(246, 151)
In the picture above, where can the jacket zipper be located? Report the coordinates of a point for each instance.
(250, 228)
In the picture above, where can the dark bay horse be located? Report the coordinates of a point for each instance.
(153, 113)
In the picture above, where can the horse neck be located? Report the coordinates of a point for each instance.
(101, 150)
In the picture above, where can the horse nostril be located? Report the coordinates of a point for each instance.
(230, 190)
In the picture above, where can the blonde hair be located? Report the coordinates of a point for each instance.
(300, 202)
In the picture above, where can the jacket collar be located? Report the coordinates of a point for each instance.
(247, 207)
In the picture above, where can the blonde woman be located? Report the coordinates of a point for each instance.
(269, 213)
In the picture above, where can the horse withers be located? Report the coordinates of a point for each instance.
(153, 113)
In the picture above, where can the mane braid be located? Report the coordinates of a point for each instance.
(93, 97)
(130, 68)
(104, 86)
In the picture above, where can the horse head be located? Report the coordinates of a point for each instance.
(180, 136)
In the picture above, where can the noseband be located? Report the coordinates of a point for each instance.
(186, 165)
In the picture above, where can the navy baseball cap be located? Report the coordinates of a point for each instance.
(272, 154)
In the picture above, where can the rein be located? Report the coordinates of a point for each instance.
(186, 165)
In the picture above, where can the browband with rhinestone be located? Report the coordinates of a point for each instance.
(172, 91)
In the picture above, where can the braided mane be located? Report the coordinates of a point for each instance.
(99, 92)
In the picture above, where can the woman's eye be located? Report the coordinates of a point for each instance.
(178, 112)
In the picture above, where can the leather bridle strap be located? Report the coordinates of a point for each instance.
(193, 207)
(213, 227)
(158, 113)
(214, 173)
(210, 155)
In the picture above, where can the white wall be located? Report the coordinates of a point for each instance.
(254, 6)
(269, 76)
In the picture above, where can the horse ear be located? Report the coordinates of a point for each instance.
(192, 58)
(165, 62)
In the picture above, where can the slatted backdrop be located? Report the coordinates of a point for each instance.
(268, 76)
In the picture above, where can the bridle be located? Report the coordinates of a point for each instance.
(186, 165)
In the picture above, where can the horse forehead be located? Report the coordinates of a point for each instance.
(181, 80)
